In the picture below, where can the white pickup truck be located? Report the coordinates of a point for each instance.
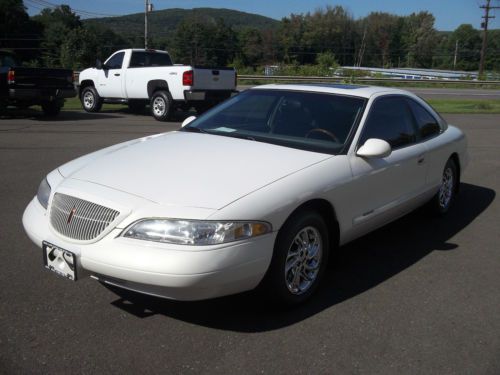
(139, 77)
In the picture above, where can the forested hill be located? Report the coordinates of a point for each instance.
(164, 22)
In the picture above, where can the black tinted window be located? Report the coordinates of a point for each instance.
(142, 59)
(427, 124)
(390, 119)
(116, 61)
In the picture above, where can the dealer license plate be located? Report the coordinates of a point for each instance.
(60, 261)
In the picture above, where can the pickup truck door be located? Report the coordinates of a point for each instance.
(384, 188)
(110, 78)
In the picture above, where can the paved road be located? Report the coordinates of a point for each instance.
(418, 296)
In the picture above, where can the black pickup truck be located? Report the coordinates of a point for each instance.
(23, 87)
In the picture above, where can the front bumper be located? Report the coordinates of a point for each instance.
(169, 271)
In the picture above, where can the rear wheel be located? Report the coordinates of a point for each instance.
(299, 260)
(52, 108)
(161, 105)
(91, 101)
(445, 197)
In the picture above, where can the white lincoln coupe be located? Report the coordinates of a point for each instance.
(256, 192)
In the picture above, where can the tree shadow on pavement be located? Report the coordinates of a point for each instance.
(361, 265)
(33, 114)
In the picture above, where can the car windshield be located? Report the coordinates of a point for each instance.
(318, 122)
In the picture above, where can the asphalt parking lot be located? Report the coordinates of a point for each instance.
(421, 295)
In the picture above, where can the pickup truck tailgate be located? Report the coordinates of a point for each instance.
(214, 78)
(43, 78)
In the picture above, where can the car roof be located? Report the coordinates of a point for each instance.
(333, 88)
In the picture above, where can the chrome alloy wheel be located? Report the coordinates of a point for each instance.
(88, 99)
(446, 189)
(303, 260)
(159, 106)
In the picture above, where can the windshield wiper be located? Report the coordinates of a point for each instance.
(192, 129)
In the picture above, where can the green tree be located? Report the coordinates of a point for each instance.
(18, 32)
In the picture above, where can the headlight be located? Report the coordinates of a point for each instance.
(190, 232)
(43, 193)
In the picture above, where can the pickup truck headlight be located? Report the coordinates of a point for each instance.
(43, 193)
(191, 232)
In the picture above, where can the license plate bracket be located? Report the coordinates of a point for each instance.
(60, 261)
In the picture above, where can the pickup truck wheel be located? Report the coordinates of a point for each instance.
(161, 105)
(52, 108)
(91, 101)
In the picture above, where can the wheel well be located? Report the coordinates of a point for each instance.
(326, 210)
(86, 83)
(456, 159)
(155, 85)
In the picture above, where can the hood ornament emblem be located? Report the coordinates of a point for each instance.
(72, 212)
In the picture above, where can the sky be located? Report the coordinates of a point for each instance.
(449, 14)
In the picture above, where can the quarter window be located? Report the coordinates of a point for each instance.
(427, 124)
(390, 119)
(116, 61)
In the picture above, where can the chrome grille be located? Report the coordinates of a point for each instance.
(79, 219)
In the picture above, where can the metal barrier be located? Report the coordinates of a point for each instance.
(245, 77)
(250, 77)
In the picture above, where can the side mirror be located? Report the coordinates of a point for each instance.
(98, 64)
(374, 148)
(188, 121)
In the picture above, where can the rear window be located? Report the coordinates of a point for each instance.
(145, 59)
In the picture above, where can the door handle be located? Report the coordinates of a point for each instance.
(421, 159)
(117, 74)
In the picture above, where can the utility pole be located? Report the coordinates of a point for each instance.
(484, 26)
(148, 9)
(456, 53)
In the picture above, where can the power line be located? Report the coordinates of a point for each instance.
(484, 26)
(45, 4)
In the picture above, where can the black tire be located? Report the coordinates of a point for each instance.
(90, 99)
(161, 105)
(444, 198)
(137, 106)
(279, 284)
(52, 108)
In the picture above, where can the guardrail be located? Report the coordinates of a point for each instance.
(246, 77)
(250, 77)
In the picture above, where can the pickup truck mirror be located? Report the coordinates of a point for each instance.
(188, 121)
(374, 148)
(98, 64)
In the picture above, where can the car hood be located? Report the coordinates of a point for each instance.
(190, 169)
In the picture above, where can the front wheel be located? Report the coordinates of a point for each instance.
(161, 105)
(299, 260)
(91, 101)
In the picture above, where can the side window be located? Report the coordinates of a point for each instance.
(116, 61)
(427, 124)
(138, 59)
(390, 119)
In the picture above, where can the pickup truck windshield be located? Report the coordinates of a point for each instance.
(318, 122)
(144, 59)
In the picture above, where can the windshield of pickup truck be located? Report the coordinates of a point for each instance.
(318, 122)
(143, 59)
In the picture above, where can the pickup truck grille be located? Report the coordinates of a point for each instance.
(79, 219)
